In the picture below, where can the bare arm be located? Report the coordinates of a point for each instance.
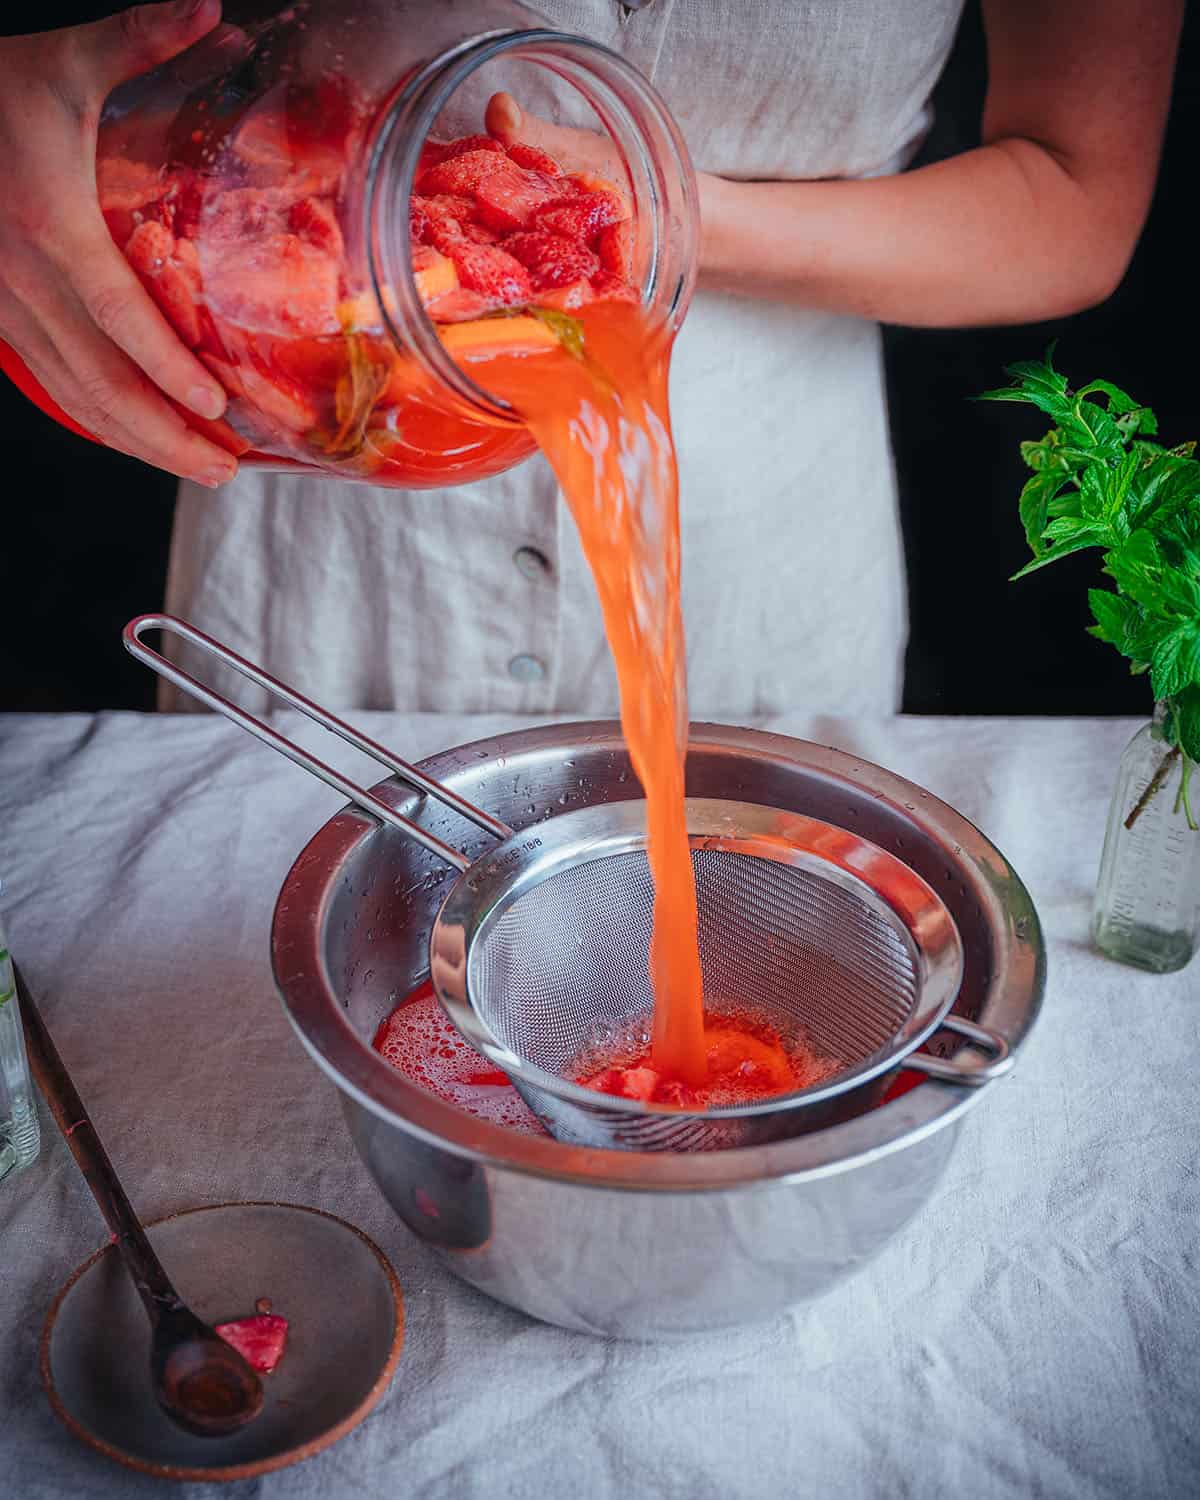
(1038, 222)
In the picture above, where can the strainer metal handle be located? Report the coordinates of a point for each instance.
(950, 1070)
(360, 796)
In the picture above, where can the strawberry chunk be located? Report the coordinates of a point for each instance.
(535, 160)
(552, 260)
(280, 399)
(467, 143)
(276, 284)
(571, 263)
(480, 234)
(313, 220)
(569, 298)
(418, 221)
(259, 1339)
(173, 280)
(445, 214)
(508, 200)
(462, 174)
(151, 245)
(460, 306)
(615, 248)
(638, 1083)
(492, 271)
(581, 218)
(609, 288)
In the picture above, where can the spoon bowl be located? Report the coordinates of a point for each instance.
(201, 1382)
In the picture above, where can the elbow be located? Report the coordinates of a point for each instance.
(1097, 275)
(1077, 282)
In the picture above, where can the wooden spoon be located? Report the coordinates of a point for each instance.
(200, 1381)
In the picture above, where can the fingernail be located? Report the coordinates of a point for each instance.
(184, 10)
(206, 401)
(218, 475)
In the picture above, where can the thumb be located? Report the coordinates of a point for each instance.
(132, 42)
(503, 118)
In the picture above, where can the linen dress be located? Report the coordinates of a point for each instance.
(477, 598)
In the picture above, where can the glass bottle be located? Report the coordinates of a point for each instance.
(262, 186)
(1148, 895)
(20, 1132)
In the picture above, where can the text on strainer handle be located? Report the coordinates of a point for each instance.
(950, 1070)
(132, 637)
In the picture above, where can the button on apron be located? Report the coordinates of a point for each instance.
(531, 563)
(526, 668)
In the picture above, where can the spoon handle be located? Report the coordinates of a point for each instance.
(48, 1068)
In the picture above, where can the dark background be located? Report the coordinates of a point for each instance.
(86, 531)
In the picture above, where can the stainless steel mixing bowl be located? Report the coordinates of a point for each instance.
(609, 1242)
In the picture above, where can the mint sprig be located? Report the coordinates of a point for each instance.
(1099, 480)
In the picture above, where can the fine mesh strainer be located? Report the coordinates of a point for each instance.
(539, 953)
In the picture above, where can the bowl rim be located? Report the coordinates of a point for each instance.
(1012, 1002)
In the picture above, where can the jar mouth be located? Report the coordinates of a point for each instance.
(636, 120)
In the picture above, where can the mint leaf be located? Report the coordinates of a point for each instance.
(1079, 538)
(1116, 619)
(1034, 506)
(1171, 664)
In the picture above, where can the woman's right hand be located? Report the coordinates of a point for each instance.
(70, 305)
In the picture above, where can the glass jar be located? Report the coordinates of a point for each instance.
(309, 195)
(1148, 894)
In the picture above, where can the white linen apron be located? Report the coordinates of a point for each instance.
(477, 598)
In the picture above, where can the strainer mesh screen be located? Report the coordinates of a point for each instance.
(563, 968)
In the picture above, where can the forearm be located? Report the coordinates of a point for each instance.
(1001, 234)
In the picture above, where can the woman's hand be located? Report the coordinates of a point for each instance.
(1038, 222)
(70, 305)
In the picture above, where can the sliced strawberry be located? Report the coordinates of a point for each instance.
(569, 298)
(533, 246)
(508, 200)
(574, 262)
(492, 271)
(609, 288)
(480, 234)
(615, 248)
(277, 397)
(150, 247)
(535, 160)
(446, 214)
(459, 307)
(552, 260)
(259, 1339)
(462, 174)
(313, 220)
(277, 284)
(176, 293)
(581, 218)
(638, 1083)
(432, 152)
(418, 221)
(467, 143)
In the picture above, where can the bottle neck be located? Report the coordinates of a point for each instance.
(660, 180)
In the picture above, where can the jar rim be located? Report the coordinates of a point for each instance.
(404, 123)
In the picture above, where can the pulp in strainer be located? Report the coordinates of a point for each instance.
(748, 1059)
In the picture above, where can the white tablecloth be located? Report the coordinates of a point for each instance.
(1035, 1332)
